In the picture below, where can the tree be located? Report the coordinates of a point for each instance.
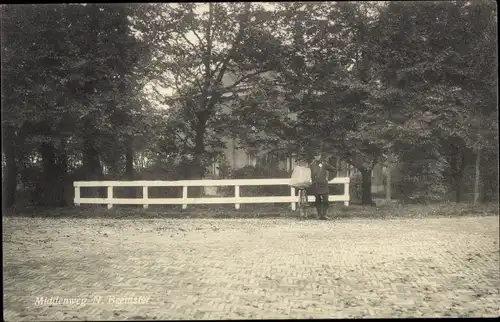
(375, 79)
(27, 95)
(339, 102)
(430, 53)
(198, 50)
(72, 74)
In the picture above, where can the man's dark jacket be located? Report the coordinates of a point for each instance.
(319, 175)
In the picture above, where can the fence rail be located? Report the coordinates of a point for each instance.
(237, 200)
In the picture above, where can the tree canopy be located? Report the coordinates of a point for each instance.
(369, 82)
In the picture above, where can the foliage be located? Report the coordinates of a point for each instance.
(72, 76)
(377, 78)
(259, 172)
(205, 56)
(431, 54)
(416, 81)
(420, 178)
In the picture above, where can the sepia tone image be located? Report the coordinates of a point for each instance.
(250, 160)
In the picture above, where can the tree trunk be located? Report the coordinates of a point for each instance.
(54, 176)
(48, 153)
(129, 167)
(458, 189)
(459, 177)
(129, 160)
(366, 187)
(457, 165)
(198, 169)
(92, 166)
(66, 190)
(10, 184)
(489, 175)
(91, 161)
(388, 180)
(46, 196)
(453, 169)
(477, 180)
(233, 155)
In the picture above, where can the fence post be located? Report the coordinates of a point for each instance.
(184, 195)
(145, 196)
(77, 195)
(292, 192)
(237, 195)
(110, 197)
(346, 193)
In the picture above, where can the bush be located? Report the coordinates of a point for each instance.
(356, 187)
(37, 190)
(417, 181)
(225, 170)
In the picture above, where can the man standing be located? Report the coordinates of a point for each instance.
(319, 176)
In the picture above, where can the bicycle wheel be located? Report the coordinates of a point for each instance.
(302, 204)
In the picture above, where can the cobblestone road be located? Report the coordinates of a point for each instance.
(70, 269)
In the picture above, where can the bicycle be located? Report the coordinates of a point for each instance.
(303, 205)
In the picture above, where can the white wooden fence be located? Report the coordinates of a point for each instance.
(184, 201)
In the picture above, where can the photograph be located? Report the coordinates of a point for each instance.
(250, 160)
